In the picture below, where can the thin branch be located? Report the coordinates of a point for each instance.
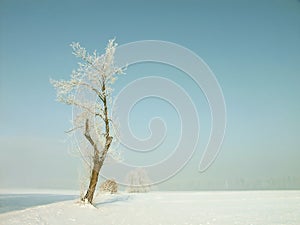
(75, 128)
(89, 138)
(84, 107)
(101, 116)
(93, 89)
(94, 66)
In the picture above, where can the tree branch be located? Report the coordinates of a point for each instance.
(87, 133)
(89, 138)
(93, 89)
(75, 128)
(101, 116)
(86, 108)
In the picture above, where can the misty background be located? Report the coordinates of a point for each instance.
(251, 46)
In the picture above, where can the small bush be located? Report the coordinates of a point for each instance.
(109, 186)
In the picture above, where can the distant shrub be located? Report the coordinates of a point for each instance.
(109, 186)
(138, 181)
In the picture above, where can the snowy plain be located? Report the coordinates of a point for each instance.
(182, 208)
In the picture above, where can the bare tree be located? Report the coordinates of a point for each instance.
(89, 91)
(138, 181)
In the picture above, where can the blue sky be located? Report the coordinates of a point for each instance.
(251, 46)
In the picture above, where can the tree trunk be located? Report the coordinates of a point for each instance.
(98, 163)
(93, 182)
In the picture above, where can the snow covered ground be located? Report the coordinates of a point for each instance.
(206, 208)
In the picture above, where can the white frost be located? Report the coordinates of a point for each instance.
(219, 208)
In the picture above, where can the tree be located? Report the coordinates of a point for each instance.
(89, 91)
(138, 181)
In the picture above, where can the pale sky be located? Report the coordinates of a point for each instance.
(251, 46)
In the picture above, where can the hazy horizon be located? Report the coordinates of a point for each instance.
(251, 47)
